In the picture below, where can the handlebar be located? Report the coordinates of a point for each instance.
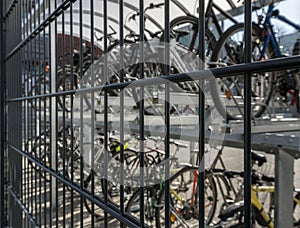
(151, 6)
(109, 35)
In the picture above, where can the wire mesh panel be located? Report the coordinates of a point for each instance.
(114, 113)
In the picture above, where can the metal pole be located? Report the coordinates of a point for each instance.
(141, 113)
(284, 182)
(201, 103)
(52, 37)
(247, 115)
(167, 113)
(2, 118)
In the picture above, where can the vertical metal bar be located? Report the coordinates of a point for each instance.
(167, 114)
(32, 118)
(38, 134)
(41, 100)
(50, 117)
(92, 112)
(284, 183)
(2, 119)
(72, 154)
(105, 110)
(43, 143)
(29, 108)
(19, 163)
(121, 29)
(63, 81)
(81, 109)
(37, 126)
(247, 115)
(141, 126)
(201, 101)
(45, 62)
(25, 124)
(33, 124)
(14, 119)
(53, 117)
(29, 128)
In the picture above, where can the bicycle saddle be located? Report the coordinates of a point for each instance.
(231, 210)
(258, 157)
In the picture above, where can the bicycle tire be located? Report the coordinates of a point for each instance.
(235, 56)
(193, 44)
(133, 206)
(113, 182)
(66, 82)
(184, 30)
(93, 209)
(40, 87)
(187, 211)
(128, 60)
(131, 168)
(41, 152)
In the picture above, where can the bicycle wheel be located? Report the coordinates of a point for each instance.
(96, 189)
(131, 174)
(184, 33)
(92, 177)
(228, 93)
(133, 207)
(66, 82)
(130, 56)
(86, 63)
(184, 202)
(41, 152)
(73, 171)
(41, 86)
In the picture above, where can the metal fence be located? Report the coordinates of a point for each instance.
(76, 84)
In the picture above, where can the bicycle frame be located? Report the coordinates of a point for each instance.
(270, 189)
(269, 36)
(256, 203)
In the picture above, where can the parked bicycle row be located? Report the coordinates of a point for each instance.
(101, 171)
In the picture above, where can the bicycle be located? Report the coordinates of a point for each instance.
(229, 91)
(183, 200)
(131, 57)
(184, 29)
(130, 168)
(39, 147)
(183, 195)
(232, 216)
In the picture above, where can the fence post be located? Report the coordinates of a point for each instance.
(52, 37)
(2, 126)
(247, 115)
(284, 182)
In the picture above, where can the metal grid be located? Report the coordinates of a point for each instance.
(37, 141)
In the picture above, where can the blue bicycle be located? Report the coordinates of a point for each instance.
(279, 86)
